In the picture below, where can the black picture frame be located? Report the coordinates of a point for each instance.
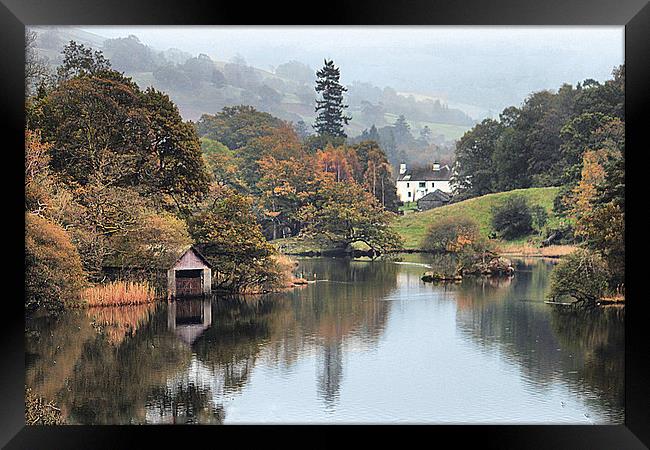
(633, 14)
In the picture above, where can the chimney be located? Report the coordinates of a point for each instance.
(436, 166)
(402, 168)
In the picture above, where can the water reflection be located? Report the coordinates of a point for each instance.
(582, 350)
(189, 318)
(355, 344)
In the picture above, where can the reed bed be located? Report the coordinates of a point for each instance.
(117, 293)
(552, 251)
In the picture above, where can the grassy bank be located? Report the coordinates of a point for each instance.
(413, 227)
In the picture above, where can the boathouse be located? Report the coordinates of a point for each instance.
(190, 276)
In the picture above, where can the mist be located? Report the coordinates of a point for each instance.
(482, 69)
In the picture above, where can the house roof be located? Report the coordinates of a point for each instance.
(197, 253)
(436, 195)
(426, 174)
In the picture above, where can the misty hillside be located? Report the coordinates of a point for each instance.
(198, 84)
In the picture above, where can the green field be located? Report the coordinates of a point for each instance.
(413, 227)
(449, 131)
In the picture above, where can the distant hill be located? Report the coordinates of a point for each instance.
(198, 84)
(413, 227)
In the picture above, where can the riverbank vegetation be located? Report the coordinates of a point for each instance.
(119, 293)
(573, 138)
(116, 179)
(413, 227)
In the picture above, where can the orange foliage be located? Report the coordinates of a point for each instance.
(119, 293)
(340, 161)
(118, 322)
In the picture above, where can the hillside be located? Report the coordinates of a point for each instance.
(201, 84)
(412, 227)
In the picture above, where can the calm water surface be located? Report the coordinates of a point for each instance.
(366, 342)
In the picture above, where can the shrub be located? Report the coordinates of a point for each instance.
(539, 216)
(451, 234)
(512, 218)
(582, 275)
(561, 233)
(53, 272)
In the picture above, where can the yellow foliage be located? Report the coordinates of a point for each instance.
(119, 293)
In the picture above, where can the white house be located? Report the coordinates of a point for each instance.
(413, 184)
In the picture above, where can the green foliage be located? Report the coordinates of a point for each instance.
(582, 275)
(85, 149)
(53, 272)
(229, 236)
(475, 173)
(561, 233)
(330, 118)
(413, 227)
(452, 234)
(236, 126)
(539, 216)
(344, 213)
(540, 143)
(512, 218)
(222, 163)
(175, 167)
(153, 244)
(103, 130)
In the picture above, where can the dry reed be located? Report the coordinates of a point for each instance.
(118, 293)
(552, 251)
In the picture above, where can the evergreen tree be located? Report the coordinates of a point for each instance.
(370, 135)
(402, 130)
(329, 109)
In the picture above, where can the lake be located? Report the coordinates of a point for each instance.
(363, 342)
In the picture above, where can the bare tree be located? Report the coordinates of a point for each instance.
(36, 66)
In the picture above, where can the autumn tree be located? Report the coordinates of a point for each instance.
(229, 236)
(344, 213)
(285, 186)
(235, 126)
(81, 60)
(53, 272)
(330, 116)
(340, 161)
(172, 167)
(279, 142)
(376, 173)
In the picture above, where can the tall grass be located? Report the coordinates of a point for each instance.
(118, 293)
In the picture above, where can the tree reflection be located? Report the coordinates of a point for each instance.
(173, 363)
(587, 346)
(598, 336)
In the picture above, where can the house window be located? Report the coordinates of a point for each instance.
(432, 184)
(407, 185)
(409, 195)
(422, 184)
